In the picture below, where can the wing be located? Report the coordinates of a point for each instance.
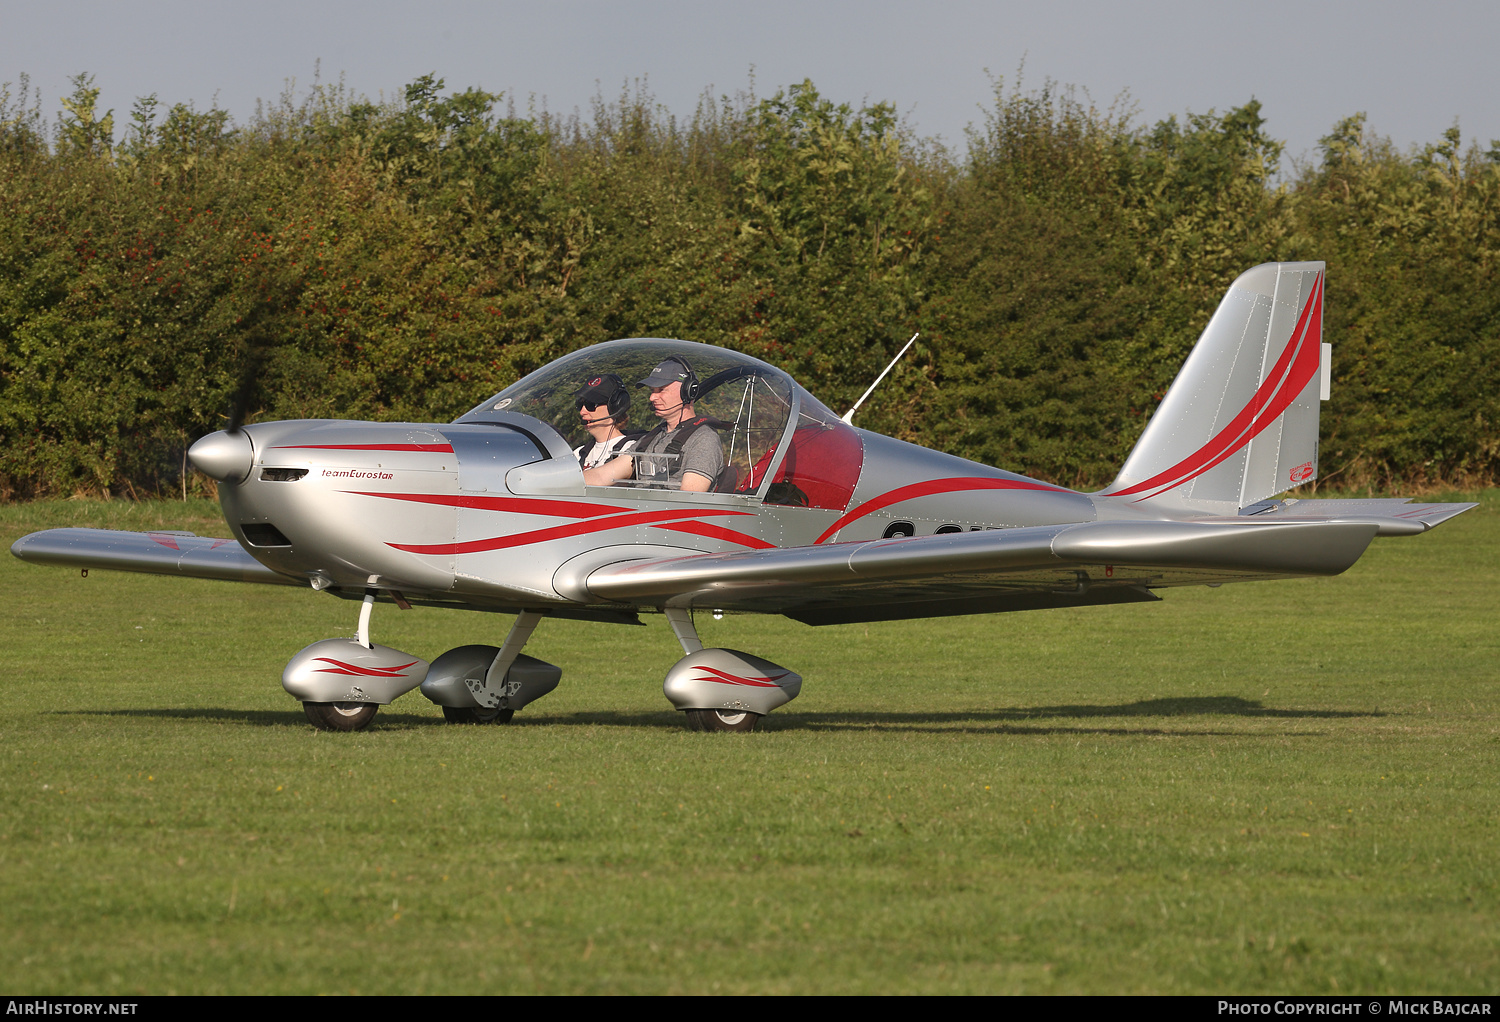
(157, 553)
(989, 571)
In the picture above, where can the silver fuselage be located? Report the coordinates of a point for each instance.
(493, 515)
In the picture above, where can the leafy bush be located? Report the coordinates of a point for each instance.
(406, 259)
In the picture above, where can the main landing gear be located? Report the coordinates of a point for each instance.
(721, 720)
(342, 683)
(340, 716)
(723, 689)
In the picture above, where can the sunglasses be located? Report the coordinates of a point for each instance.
(591, 406)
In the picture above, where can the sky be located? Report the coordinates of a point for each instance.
(1413, 68)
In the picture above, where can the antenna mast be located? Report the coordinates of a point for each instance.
(848, 416)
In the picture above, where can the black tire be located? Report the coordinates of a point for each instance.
(470, 715)
(721, 720)
(340, 716)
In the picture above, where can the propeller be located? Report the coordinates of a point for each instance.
(257, 349)
(228, 455)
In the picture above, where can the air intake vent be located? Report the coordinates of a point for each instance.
(263, 534)
(282, 475)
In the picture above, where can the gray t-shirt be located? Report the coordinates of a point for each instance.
(703, 454)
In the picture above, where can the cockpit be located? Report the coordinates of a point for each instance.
(779, 442)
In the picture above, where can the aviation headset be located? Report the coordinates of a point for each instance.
(691, 387)
(619, 401)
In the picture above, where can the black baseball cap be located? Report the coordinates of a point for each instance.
(665, 373)
(600, 390)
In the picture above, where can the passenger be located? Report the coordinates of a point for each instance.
(603, 404)
(684, 451)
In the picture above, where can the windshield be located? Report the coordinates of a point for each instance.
(747, 402)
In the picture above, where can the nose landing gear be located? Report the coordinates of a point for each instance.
(486, 685)
(467, 715)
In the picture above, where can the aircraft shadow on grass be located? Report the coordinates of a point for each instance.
(1000, 720)
(1010, 720)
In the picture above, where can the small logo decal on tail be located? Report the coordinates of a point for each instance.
(1302, 472)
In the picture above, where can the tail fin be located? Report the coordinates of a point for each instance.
(1240, 422)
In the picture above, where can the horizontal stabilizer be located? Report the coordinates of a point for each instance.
(1395, 516)
(155, 553)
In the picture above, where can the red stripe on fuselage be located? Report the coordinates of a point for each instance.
(718, 532)
(513, 505)
(927, 489)
(556, 532)
(1299, 361)
(420, 448)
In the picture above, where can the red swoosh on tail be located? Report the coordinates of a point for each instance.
(1299, 361)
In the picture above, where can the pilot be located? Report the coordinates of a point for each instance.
(688, 454)
(603, 404)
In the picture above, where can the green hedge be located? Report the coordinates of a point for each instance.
(406, 260)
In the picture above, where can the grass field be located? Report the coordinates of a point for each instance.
(1273, 787)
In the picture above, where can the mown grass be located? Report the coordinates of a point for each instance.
(1284, 787)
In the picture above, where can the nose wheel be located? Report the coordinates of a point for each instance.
(340, 716)
(470, 715)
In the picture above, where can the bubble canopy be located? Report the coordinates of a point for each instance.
(779, 441)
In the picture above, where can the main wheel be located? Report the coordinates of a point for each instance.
(340, 716)
(470, 715)
(721, 720)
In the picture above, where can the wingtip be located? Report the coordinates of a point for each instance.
(18, 548)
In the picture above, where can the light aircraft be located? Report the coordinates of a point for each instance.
(811, 517)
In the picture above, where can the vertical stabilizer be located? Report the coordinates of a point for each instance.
(1240, 422)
